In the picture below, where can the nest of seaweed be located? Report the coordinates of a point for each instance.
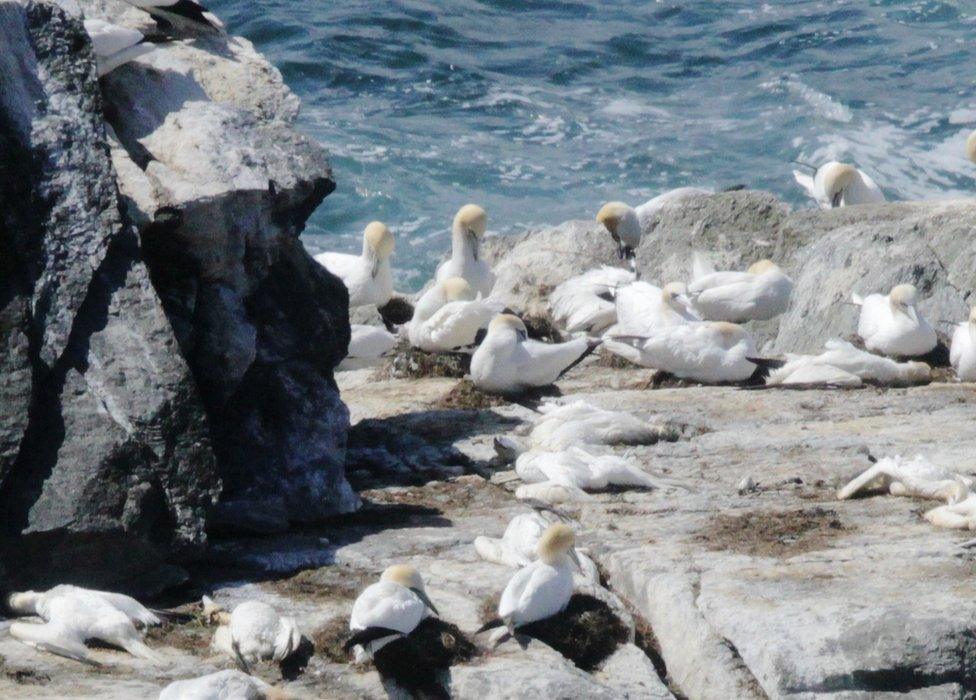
(586, 632)
(410, 363)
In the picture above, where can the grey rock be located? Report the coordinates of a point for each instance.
(629, 672)
(106, 470)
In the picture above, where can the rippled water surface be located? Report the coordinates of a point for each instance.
(540, 110)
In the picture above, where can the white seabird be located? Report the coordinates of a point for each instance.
(230, 684)
(711, 351)
(971, 146)
(586, 302)
(368, 276)
(641, 308)
(519, 545)
(577, 468)
(959, 513)
(841, 358)
(73, 615)
(579, 423)
(892, 325)
(470, 224)
(915, 478)
(253, 632)
(387, 609)
(621, 221)
(180, 14)
(448, 317)
(962, 353)
(368, 345)
(839, 185)
(541, 589)
(115, 45)
(507, 362)
(760, 293)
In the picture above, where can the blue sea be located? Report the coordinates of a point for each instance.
(541, 110)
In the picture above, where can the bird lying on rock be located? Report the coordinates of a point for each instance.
(74, 615)
(507, 362)
(252, 632)
(470, 224)
(389, 608)
(962, 353)
(367, 276)
(519, 545)
(541, 589)
(449, 317)
(836, 184)
(222, 685)
(760, 293)
(115, 45)
(368, 345)
(842, 363)
(587, 302)
(561, 426)
(892, 324)
(642, 308)
(711, 351)
(959, 513)
(915, 478)
(577, 468)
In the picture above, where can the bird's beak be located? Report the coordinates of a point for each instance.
(376, 267)
(835, 200)
(621, 251)
(473, 238)
(908, 311)
(522, 335)
(423, 596)
(575, 557)
(684, 301)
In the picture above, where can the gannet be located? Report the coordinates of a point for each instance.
(959, 513)
(180, 14)
(706, 352)
(578, 468)
(642, 308)
(368, 345)
(586, 302)
(507, 362)
(222, 685)
(115, 45)
(560, 427)
(519, 545)
(651, 207)
(839, 185)
(621, 221)
(448, 317)
(962, 354)
(891, 324)
(73, 615)
(469, 228)
(389, 608)
(548, 492)
(760, 293)
(915, 478)
(541, 589)
(841, 358)
(368, 276)
(253, 632)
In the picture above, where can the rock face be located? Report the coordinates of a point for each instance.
(165, 338)
(222, 184)
(867, 249)
(105, 461)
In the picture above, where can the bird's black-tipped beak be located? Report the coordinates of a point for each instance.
(835, 200)
(423, 597)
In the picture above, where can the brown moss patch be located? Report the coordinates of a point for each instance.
(443, 496)
(410, 363)
(192, 637)
(466, 396)
(772, 533)
(542, 328)
(335, 582)
(329, 638)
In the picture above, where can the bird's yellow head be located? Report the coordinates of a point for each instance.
(557, 540)
(471, 219)
(379, 238)
(758, 268)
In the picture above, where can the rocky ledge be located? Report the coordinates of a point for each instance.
(168, 344)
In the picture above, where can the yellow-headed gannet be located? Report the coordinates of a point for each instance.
(507, 362)
(760, 293)
(915, 478)
(368, 276)
(586, 302)
(541, 589)
(705, 352)
(839, 185)
(470, 224)
(841, 358)
(642, 308)
(449, 316)
(389, 608)
(892, 325)
(560, 427)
